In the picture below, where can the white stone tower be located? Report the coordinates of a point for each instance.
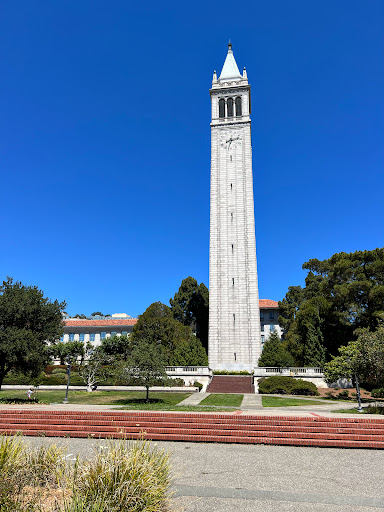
(234, 316)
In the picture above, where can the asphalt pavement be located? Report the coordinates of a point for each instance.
(235, 478)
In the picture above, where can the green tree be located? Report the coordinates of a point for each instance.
(158, 325)
(71, 349)
(96, 368)
(363, 357)
(145, 365)
(116, 346)
(347, 292)
(190, 306)
(29, 322)
(97, 313)
(80, 315)
(274, 353)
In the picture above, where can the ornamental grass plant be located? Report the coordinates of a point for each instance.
(129, 476)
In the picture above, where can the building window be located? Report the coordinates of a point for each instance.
(261, 315)
(230, 107)
(81, 336)
(221, 107)
(238, 106)
(271, 327)
(262, 340)
(62, 337)
(124, 333)
(71, 336)
(92, 336)
(113, 333)
(271, 315)
(233, 281)
(262, 327)
(103, 335)
(234, 317)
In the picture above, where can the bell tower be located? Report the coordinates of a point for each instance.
(234, 316)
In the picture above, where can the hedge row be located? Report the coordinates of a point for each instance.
(286, 386)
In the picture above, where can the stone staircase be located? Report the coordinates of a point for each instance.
(231, 384)
(209, 427)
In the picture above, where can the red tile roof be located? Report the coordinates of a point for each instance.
(267, 303)
(77, 323)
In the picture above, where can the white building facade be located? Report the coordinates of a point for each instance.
(95, 330)
(234, 317)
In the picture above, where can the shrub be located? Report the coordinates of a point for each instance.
(343, 394)
(303, 387)
(19, 401)
(134, 477)
(58, 370)
(377, 393)
(227, 372)
(198, 385)
(286, 385)
(374, 409)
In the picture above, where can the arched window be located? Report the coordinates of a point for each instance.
(221, 107)
(238, 106)
(230, 107)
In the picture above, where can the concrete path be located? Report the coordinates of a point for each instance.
(209, 477)
(194, 399)
(251, 403)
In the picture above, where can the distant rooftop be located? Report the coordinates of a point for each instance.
(267, 303)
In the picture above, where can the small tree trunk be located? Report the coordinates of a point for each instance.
(89, 388)
(147, 397)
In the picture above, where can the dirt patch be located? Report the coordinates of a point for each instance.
(335, 392)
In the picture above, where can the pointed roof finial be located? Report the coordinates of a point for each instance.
(230, 69)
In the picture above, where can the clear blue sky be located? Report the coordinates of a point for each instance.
(105, 140)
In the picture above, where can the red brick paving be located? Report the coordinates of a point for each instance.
(218, 428)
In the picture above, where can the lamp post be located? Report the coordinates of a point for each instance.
(360, 409)
(65, 401)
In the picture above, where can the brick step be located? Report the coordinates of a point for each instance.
(252, 421)
(184, 416)
(328, 428)
(214, 439)
(175, 429)
(231, 384)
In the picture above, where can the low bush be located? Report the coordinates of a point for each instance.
(377, 393)
(227, 372)
(19, 401)
(122, 476)
(303, 387)
(343, 394)
(286, 386)
(59, 370)
(374, 409)
(198, 385)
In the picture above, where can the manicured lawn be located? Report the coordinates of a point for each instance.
(223, 399)
(274, 401)
(130, 400)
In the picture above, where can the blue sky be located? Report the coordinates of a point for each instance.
(105, 140)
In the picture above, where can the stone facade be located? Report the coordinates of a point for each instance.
(234, 317)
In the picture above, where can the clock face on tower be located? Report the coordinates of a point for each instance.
(230, 140)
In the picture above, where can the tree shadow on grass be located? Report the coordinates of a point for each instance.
(138, 401)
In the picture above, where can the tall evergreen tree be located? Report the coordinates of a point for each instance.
(274, 353)
(190, 306)
(29, 322)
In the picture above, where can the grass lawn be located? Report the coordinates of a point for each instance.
(275, 401)
(223, 399)
(351, 411)
(129, 399)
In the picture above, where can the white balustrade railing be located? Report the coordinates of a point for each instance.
(291, 371)
(189, 370)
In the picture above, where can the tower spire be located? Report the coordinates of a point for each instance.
(230, 70)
